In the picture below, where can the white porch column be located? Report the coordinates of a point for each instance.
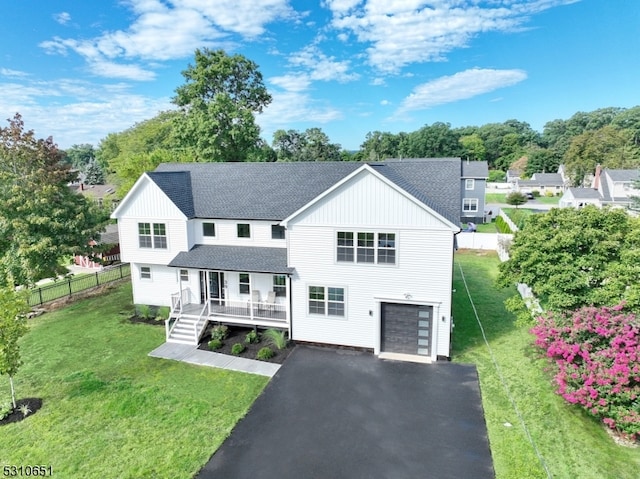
(287, 303)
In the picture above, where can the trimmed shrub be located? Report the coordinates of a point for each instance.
(163, 313)
(144, 311)
(219, 332)
(265, 353)
(277, 338)
(252, 337)
(215, 344)
(595, 354)
(237, 348)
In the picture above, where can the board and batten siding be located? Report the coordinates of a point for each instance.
(366, 200)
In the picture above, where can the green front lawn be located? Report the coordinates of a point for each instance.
(571, 444)
(109, 410)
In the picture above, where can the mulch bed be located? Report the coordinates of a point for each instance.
(32, 403)
(237, 335)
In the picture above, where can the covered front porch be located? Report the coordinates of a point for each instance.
(245, 286)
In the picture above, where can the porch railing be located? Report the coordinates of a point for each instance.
(179, 299)
(250, 310)
(201, 324)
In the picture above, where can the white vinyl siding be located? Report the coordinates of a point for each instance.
(130, 250)
(226, 233)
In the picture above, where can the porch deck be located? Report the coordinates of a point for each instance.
(260, 314)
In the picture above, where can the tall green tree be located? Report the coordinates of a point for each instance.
(42, 220)
(577, 257)
(311, 145)
(79, 156)
(13, 325)
(473, 147)
(128, 154)
(218, 104)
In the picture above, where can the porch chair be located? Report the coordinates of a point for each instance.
(271, 300)
(255, 299)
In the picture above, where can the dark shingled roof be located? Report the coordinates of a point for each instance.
(585, 193)
(177, 186)
(273, 191)
(475, 169)
(250, 259)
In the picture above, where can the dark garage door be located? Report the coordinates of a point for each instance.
(406, 328)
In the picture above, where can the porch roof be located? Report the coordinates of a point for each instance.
(250, 259)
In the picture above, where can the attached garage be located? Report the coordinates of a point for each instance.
(406, 328)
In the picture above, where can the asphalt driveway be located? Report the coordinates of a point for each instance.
(342, 414)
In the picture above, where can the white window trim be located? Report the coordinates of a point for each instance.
(241, 283)
(326, 301)
(243, 238)
(469, 181)
(376, 247)
(181, 278)
(473, 205)
(214, 235)
(143, 278)
(153, 236)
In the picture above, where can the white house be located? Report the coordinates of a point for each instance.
(614, 188)
(339, 253)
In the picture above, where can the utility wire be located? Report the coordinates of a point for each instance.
(502, 380)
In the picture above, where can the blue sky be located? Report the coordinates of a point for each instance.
(79, 70)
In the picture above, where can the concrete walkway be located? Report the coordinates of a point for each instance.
(192, 355)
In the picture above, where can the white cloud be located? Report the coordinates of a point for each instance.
(73, 111)
(289, 107)
(62, 18)
(461, 86)
(408, 31)
(7, 72)
(171, 29)
(321, 67)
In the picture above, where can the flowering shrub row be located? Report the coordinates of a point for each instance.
(595, 354)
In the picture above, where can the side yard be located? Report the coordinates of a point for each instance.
(108, 409)
(568, 442)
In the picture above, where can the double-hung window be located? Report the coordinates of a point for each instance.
(152, 235)
(245, 283)
(326, 301)
(280, 284)
(470, 204)
(469, 184)
(145, 272)
(366, 247)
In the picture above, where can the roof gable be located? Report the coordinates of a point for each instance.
(147, 199)
(375, 194)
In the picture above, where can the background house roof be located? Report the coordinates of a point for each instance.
(250, 259)
(622, 175)
(585, 193)
(475, 169)
(273, 191)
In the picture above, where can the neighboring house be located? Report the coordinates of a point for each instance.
(609, 187)
(109, 239)
(579, 198)
(340, 253)
(513, 176)
(616, 187)
(544, 183)
(473, 189)
(102, 194)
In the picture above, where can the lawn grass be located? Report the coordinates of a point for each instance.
(109, 410)
(571, 444)
(495, 198)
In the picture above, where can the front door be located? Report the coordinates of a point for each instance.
(215, 286)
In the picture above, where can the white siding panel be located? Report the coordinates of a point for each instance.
(424, 272)
(156, 291)
(129, 244)
(148, 201)
(227, 233)
(367, 200)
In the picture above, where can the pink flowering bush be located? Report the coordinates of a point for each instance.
(595, 354)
